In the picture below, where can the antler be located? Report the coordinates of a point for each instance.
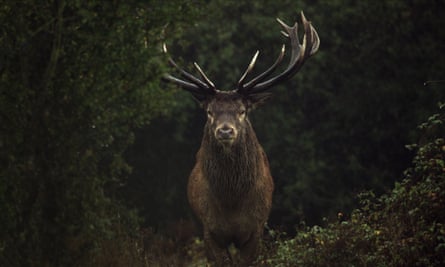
(192, 84)
(300, 52)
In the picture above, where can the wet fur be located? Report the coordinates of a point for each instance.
(230, 191)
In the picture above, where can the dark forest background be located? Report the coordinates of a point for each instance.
(94, 147)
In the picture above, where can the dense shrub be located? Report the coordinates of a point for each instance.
(405, 227)
(402, 228)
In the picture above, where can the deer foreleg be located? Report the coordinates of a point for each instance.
(215, 253)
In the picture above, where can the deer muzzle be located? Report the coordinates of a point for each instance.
(226, 133)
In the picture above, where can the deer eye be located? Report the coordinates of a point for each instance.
(209, 113)
(242, 113)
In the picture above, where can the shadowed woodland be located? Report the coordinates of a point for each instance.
(95, 150)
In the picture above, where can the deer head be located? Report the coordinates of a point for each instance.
(227, 110)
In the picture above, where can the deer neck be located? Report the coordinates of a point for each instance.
(232, 171)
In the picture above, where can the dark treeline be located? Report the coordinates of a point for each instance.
(338, 128)
(93, 146)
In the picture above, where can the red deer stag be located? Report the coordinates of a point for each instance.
(230, 187)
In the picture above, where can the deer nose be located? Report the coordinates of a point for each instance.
(225, 132)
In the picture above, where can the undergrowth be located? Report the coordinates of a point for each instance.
(405, 227)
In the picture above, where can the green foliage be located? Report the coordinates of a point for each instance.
(403, 228)
(341, 125)
(76, 79)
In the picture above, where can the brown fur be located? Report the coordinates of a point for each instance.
(230, 188)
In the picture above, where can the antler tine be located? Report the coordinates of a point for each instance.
(248, 70)
(192, 84)
(193, 88)
(300, 52)
(246, 87)
(310, 31)
(204, 76)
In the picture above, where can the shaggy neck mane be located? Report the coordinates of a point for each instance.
(231, 171)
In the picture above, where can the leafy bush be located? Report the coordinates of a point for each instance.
(403, 228)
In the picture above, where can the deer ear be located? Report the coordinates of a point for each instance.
(255, 100)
